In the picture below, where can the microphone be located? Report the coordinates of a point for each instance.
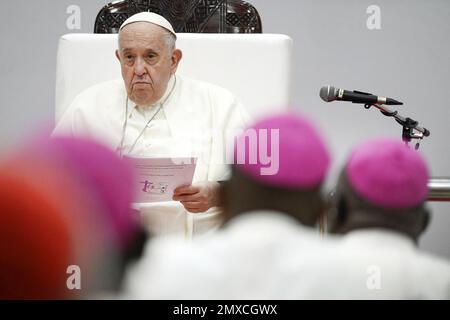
(330, 93)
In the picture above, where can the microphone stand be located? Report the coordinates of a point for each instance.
(411, 129)
(438, 188)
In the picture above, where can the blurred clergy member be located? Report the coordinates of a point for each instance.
(381, 211)
(270, 219)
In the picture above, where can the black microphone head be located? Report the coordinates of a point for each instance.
(390, 101)
(328, 93)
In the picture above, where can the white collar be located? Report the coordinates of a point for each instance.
(378, 237)
(270, 220)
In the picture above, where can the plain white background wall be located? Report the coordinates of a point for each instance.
(407, 59)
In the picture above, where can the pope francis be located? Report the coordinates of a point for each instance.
(155, 112)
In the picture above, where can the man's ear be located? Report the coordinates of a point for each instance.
(176, 57)
(224, 201)
(223, 192)
(426, 219)
(118, 55)
(340, 215)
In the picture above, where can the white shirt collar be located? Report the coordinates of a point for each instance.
(378, 237)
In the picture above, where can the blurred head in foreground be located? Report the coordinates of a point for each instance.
(35, 244)
(383, 185)
(280, 164)
(91, 191)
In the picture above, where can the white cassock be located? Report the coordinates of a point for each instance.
(266, 255)
(196, 119)
(244, 260)
(375, 264)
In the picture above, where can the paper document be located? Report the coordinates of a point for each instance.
(157, 178)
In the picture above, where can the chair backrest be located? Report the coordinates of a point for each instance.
(196, 16)
(255, 67)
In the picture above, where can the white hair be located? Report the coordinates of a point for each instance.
(170, 40)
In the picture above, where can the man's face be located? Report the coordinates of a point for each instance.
(146, 60)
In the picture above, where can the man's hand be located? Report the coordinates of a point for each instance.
(198, 197)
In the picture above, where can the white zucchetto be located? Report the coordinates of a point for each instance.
(150, 17)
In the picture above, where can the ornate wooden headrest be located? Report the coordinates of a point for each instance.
(207, 16)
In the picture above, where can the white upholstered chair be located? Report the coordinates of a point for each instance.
(255, 67)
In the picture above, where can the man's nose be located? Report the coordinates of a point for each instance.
(139, 68)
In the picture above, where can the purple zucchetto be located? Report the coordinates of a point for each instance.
(388, 174)
(287, 152)
(108, 176)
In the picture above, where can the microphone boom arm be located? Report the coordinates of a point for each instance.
(409, 125)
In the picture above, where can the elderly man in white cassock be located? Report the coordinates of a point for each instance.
(155, 112)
